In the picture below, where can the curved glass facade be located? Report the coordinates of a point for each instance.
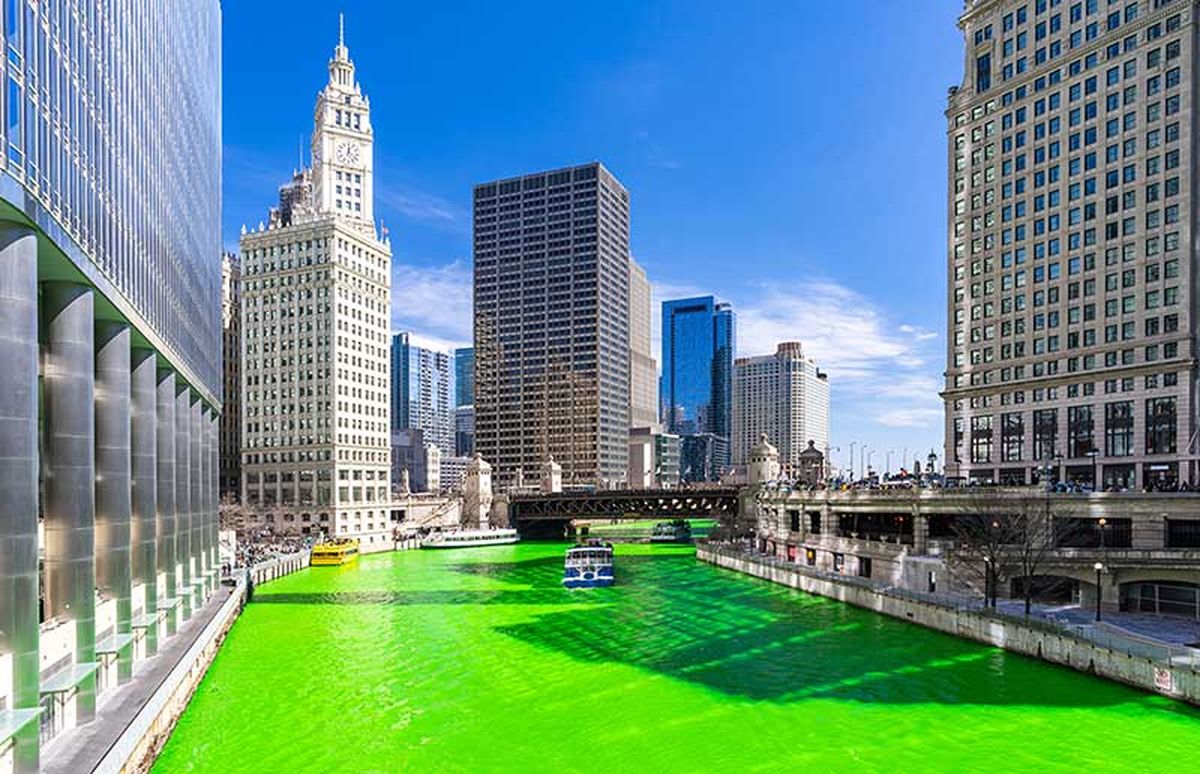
(111, 138)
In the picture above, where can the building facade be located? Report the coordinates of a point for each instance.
(643, 370)
(316, 304)
(464, 377)
(230, 455)
(110, 336)
(422, 389)
(653, 459)
(1071, 338)
(464, 431)
(699, 339)
(785, 396)
(552, 325)
(702, 457)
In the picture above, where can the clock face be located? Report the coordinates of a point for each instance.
(347, 153)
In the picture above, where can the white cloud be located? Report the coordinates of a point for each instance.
(418, 205)
(435, 302)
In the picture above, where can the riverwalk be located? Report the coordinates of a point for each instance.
(1130, 657)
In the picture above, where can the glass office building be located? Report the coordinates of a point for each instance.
(110, 336)
(699, 338)
(464, 376)
(421, 391)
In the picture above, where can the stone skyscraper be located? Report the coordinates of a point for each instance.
(1071, 336)
(552, 325)
(315, 340)
(230, 453)
(783, 395)
(643, 370)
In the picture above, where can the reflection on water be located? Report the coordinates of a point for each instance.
(479, 660)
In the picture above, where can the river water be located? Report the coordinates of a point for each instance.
(478, 660)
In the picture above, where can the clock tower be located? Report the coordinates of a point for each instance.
(343, 159)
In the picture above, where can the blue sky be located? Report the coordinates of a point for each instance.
(788, 157)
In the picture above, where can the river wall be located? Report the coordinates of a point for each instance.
(141, 741)
(1029, 639)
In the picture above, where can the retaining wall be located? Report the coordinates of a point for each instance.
(1030, 640)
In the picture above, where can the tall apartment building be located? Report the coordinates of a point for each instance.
(552, 324)
(464, 377)
(230, 437)
(643, 370)
(110, 340)
(785, 396)
(315, 344)
(699, 339)
(422, 391)
(1071, 336)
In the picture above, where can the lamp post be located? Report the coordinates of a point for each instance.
(1094, 453)
(987, 581)
(1099, 569)
(862, 460)
(1102, 523)
(852, 445)
(1058, 459)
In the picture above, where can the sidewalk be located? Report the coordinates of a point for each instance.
(82, 748)
(1170, 632)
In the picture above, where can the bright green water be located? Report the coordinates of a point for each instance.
(477, 660)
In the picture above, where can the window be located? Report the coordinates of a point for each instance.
(981, 439)
(1012, 435)
(1118, 429)
(1079, 431)
(1160, 426)
(1045, 433)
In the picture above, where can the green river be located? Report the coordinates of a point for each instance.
(477, 660)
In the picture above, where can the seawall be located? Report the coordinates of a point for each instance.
(1030, 638)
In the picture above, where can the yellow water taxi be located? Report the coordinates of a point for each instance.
(334, 552)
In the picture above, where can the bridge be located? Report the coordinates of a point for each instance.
(546, 515)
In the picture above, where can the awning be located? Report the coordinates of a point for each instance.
(66, 679)
(114, 643)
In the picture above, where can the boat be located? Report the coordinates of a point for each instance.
(588, 565)
(334, 553)
(470, 538)
(678, 531)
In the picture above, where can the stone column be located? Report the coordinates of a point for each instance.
(196, 484)
(164, 423)
(214, 478)
(19, 476)
(70, 471)
(144, 475)
(183, 497)
(113, 479)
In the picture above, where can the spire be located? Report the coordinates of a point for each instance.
(341, 30)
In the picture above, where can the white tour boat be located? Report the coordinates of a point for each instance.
(470, 538)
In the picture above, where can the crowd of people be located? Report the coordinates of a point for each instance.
(261, 545)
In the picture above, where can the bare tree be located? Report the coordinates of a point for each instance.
(234, 515)
(1004, 535)
(737, 525)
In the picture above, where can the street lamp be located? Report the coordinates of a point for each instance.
(1099, 568)
(1058, 459)
(1094, 453)
(852, 445)
(1102, 523)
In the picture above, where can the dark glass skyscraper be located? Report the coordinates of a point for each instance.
(464, 376)
(698, 343)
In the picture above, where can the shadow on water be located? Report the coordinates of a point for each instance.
(760, 641)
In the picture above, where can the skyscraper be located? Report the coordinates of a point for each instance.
(464, 377)
(699, 339)
(785, 396)
(315, 350)
(421, 391)
(643, 371)
(552, 324)
(110, 340)
(230, 456)
(1070, 289)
